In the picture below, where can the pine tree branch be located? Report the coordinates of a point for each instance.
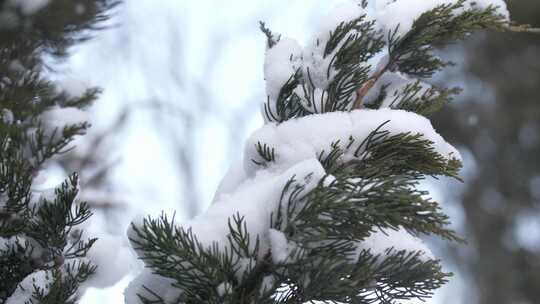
(371, 185)
(411, 53)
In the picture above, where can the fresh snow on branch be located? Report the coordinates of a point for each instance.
(254, 192)
(287, 58)
(23, 293)
(301, 139)
(256, 199)
(401, 14)
(381, 241)
(293, 201)
(56, 118)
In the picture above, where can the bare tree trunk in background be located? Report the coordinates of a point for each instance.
(504, 139)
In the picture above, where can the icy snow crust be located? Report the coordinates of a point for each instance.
(253, 191)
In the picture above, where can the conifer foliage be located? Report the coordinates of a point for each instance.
(325, 205)
(42, 248)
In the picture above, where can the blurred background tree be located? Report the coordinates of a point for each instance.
(499, 128)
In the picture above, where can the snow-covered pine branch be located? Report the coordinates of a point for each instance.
(44, 250)
(325, 205)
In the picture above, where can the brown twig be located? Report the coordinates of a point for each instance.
(364, 89)
(366, 86)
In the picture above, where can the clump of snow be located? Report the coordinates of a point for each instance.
(112, 256)
(394, 83)
(300, 139)
(279, 246)
(148, 284)
(343, 12)
(111, 253)
(379, 242)
(267, 283)
(281, 62)
(317, 68)
(73, 87)
(58, 118)
(224, 288)
(39, 196)
(243, 267)
(297, 143)
(23, 293)
(400, 14)
(262, 191)
(287, 57)
(232, 179)
(8, 242)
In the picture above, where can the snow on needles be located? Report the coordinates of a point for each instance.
(56, 118)
(281, 247)
(281, 62)
(389, 14)
(23, 293)
(256, 199)
(305, 138)
(253, 191)
(288, 57)
(380, 242)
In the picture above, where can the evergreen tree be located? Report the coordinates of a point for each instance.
(42, 248)
(326, 204)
